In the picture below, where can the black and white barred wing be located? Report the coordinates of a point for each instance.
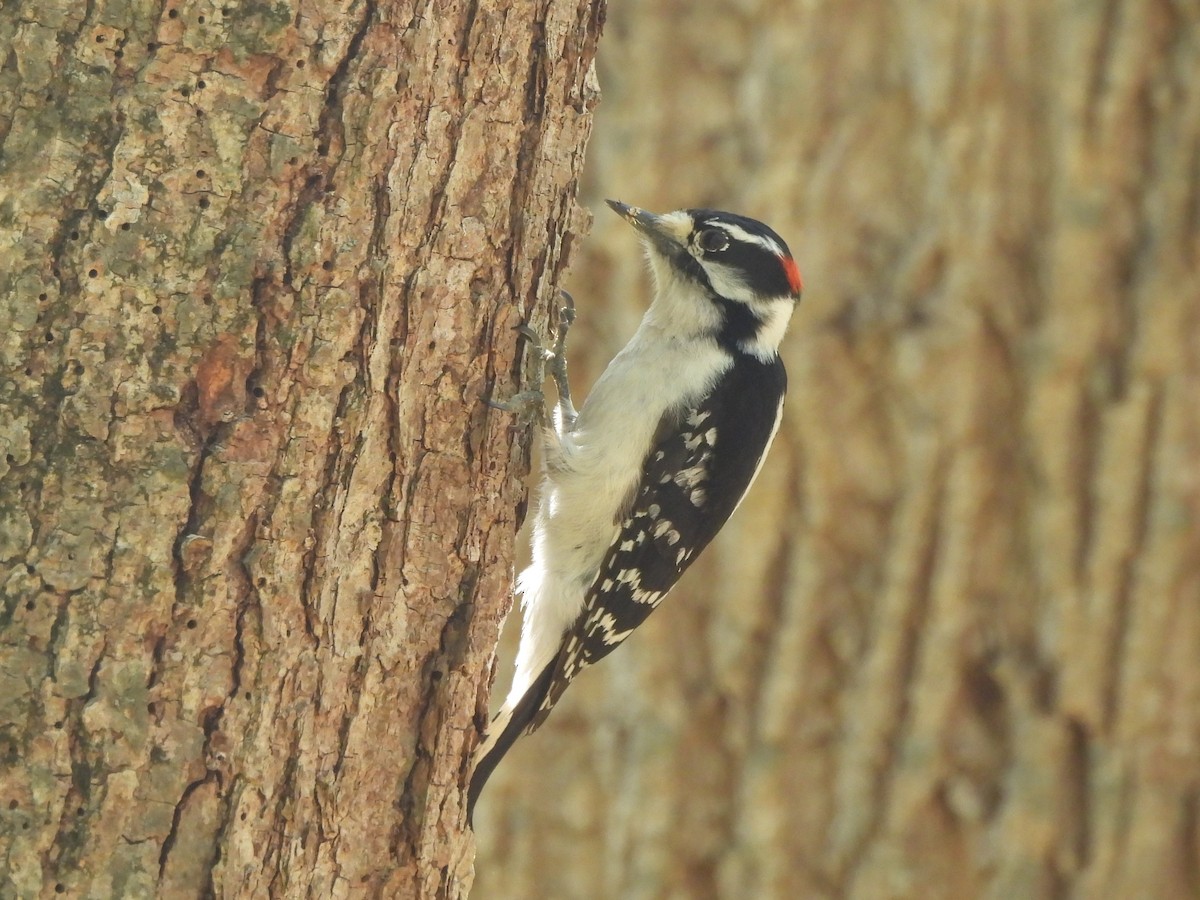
(693, 478)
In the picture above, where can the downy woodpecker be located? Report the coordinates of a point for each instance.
(643, 477)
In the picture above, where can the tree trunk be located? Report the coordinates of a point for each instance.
(950, 645)
(260, 263)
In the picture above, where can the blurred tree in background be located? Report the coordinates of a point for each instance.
(950, 646)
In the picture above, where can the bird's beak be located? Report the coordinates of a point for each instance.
(667, 233)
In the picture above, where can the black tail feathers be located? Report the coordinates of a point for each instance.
(511, 724)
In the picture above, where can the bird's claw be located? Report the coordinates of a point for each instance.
(566, 313)
(525, 331)
(527, 404)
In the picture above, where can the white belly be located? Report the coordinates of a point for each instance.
(590, 472)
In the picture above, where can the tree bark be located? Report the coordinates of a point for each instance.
(260, 263)
(950, 645)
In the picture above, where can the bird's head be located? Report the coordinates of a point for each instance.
(735, 273)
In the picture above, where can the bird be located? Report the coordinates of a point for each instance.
(639, 481)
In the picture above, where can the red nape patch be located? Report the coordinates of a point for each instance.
(793, 274)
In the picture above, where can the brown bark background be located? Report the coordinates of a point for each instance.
(258, 265)
(950, 646)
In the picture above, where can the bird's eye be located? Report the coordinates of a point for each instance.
(713, 240)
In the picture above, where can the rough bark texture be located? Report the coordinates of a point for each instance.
(258, 265)
(950, 646)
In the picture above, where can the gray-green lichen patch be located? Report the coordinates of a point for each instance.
(256, 27)
(176, 745)
(16, 533)
(86, 417)
(77, 645)
(284, 149)
(21, 671)
(230, 129)
(34, 49)
(66, 561)
(18, 589)
(238, 259)
(22, 862)
(117, 718)
(20, 312)
(16, 447)
(124, 196)
(133, 870)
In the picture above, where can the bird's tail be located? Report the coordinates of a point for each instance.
(507, 725)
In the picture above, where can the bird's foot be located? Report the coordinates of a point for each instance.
(530, 404)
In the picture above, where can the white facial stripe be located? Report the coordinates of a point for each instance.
(741, 234)
(679, 224)
(775, 315)
(728, 282)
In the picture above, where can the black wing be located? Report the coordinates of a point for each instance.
(696, 473)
